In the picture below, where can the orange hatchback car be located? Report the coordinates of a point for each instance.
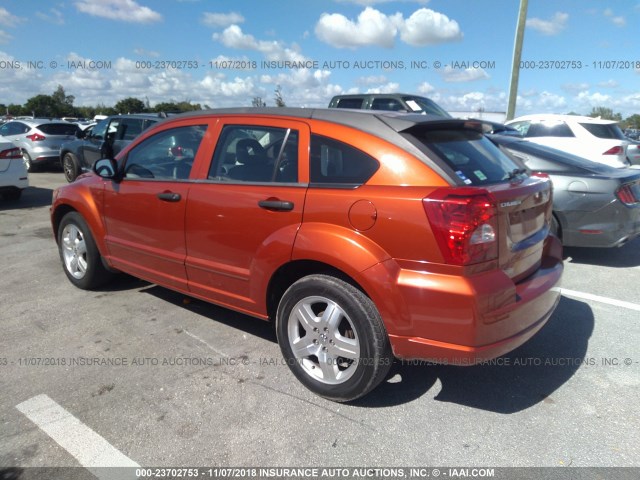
(363, 236)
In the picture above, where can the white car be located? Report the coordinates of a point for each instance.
(13, 171)
(591, 138)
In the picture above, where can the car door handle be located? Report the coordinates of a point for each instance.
(280, 205)
(169, 196)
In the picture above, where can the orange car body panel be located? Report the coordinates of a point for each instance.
(218, 245)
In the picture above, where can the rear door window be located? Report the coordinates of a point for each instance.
(350, 103)
(389, 104)
(474, 159)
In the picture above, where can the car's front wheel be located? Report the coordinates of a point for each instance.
(333, 338)
(70, 166)
(80, 256)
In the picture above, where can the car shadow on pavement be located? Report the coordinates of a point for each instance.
(32, 197)
(519, 380)
(626, 256)
(514, 382)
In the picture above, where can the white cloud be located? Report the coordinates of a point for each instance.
(146, 53)
(371, 80)
(125, 10)
(389, 87)
(233, 37)
(374, 28)
(54, 16)
(221, 19)
(9, 20)
(4, 37)
(470, 74)
(575, 87)
(619, 21)
(371, 28)
(426, 27)
(551, 27)
(367, 3)
(425, 88)
(608, 84)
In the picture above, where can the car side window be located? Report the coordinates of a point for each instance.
(522, 127)
(389, 104)
(168, 155)
(334, 163)
(99, 130)
(256, 154)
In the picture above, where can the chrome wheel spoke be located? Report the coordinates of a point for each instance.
(304, 314)
(345, 347)
(304, 347)
(328, 367)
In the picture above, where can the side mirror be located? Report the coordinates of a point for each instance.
(106, 168)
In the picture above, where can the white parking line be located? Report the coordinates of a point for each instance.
(90, 449)
(598, 298)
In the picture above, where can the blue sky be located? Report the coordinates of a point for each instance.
(457, 52)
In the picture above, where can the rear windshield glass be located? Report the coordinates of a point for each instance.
(600, 130)
(58, 128)
(473, 157)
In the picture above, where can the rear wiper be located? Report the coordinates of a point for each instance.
(515, 172)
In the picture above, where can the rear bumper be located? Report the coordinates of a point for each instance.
(466, 320)
(613, 226)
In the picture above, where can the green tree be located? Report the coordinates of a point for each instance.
(176, 107)
(278, 98)
(42, 106)
(605, 113)
(258, 102)
(130, 105)
(64, 102)
(632, 122)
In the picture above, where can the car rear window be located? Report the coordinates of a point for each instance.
(549, 129)
(474, 159)
(58, 128)
(600, 130)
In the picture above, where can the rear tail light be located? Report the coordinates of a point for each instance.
(614, 151)
(464, 223)
(11, 153)
(36, 137)
(629, 194)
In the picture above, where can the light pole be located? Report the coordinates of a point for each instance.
(517, 54)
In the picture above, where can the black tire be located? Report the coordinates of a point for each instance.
(342, 351)
(70, 167)
(81, 260)
(555, 227)
(31, 167)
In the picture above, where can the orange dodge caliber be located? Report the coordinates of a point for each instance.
(363, 236)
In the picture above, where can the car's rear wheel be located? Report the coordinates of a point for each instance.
(70, 166)
(31, 167)
(80, 257)
(333, 338)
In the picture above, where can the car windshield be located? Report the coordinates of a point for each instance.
(604, 130)
(473, 157)
(421, 104)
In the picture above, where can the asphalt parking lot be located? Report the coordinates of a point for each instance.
(166, 380)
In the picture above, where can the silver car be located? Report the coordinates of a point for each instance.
(594, 205)
(39, 139)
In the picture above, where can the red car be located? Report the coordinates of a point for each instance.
(363, 236)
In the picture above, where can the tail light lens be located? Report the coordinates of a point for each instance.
(464, 223)
(629, 194)
(618, 150)
(36, 137)
(11, 153)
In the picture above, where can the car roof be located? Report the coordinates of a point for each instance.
(371, 121)
(565, 118)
